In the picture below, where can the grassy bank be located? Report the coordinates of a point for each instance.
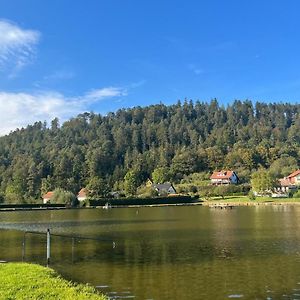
(244, 200)
(29, 281)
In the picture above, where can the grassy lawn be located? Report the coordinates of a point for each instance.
(245, 199)
(29, 281)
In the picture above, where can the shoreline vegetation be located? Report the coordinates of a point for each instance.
(31, 281)
(212, 202)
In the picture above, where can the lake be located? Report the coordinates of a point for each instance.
(189, 252)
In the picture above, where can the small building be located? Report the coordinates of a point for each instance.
(47, 197)
(291, 182)
(82, 195)
(294, 178)
(224, 177)
(164, 188)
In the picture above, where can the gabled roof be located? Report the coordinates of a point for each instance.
(294, 174)
(285, 182)
(222, 174)
(163, 186)
(82, 193)
(48, 195)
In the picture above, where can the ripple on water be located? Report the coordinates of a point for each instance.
(236, 296)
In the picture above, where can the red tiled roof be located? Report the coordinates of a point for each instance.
(285, 182)
(48, 195)
(294, 174)
(82, 193)
(221, 175)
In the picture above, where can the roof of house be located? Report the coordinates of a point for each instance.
(48, 195)
(163, 186)
(284, 182)
(222, 175)
(294, 174)
(82, 193)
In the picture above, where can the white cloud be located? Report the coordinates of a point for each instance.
(17, 46)
(105, 92)
(20, 109)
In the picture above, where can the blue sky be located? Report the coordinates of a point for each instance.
(60, 58)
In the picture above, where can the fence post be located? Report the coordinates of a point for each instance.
(48, 247)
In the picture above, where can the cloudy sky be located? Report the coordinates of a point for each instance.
(60, 58)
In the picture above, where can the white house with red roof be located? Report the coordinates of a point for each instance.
(224, 177)
(82, 195)
(290, 182)
(47, 197)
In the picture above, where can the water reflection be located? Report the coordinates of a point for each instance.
(170, 252)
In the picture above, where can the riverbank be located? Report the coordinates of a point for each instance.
(29, 281)
(245, 201)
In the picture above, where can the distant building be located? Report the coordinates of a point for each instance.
(291, 182)
(294, 178)
(224, 177)
(47, 197)
(82, 195)
(164, 188)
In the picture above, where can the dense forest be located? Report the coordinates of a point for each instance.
(181, 139)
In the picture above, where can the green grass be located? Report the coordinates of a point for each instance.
(245, 199)
(29, 281)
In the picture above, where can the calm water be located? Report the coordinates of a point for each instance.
(168, 252)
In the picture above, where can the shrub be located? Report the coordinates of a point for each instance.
(297, 194)
(251, 195)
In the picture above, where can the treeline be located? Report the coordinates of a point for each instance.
(181, 139)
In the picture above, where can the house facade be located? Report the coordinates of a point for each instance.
(290, 182)
(47, 197)
(224, 177)
(82, 195)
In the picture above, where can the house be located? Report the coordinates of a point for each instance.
(47, 197)
(294, 178)
(291, 182)
(164, 188)
(224, 177)
(82, 195)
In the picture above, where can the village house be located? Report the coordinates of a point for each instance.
(82, 195)
(291, 182)
(224, 177)
(47, 197)
(164, 188)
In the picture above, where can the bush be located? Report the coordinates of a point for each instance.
(297, 194)
(251, 195)
(64, 197)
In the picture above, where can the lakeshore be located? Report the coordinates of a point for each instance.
(212, 202)
(31, 281)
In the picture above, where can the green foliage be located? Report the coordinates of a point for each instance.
(97, 188)
(185, 138)
(263, 182)
(28, 281)
(146, 192)
(297, 194)
(283, 166)
(161, 175)
(251, 196)
(131, 182)
(61, 196)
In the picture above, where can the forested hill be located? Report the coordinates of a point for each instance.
(185, 138)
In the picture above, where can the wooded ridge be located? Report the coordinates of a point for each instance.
(184, 138)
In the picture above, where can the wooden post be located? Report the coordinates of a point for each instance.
(48, 247)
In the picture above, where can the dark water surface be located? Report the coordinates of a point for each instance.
(167, 252)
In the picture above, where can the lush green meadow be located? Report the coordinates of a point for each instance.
(29, 281)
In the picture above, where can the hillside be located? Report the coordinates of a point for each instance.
(184, 138)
